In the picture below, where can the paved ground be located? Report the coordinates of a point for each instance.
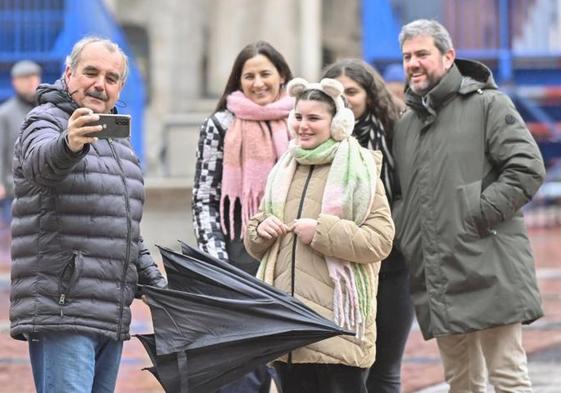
(422, 370)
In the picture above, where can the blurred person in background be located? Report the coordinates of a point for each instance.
(376, 112)
(26, 76)
(77, 252)
(467, 164)
(238, 145)
(321, 233)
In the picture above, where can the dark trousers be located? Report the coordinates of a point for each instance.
(257, 381)
(239, 257)
(321, 378)
(393, 323)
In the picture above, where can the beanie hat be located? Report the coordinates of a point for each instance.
(25, 68)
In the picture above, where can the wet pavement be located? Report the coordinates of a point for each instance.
(422, 370)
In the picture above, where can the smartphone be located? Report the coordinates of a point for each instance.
(114, 126)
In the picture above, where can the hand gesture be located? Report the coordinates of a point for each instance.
(78, 128)
(272, 228)
(305, 228)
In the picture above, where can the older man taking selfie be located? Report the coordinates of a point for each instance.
(77, 250)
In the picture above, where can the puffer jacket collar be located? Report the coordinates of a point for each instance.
(56, 94)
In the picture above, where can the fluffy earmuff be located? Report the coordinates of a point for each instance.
(332, 87)
(296, 86)
(342, 124)
(343, 121)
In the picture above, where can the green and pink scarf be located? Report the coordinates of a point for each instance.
(349, 193)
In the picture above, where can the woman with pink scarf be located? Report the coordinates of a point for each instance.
(239, 144)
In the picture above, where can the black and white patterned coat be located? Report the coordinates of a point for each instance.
(208, 185)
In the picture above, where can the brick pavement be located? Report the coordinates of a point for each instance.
(422, 370)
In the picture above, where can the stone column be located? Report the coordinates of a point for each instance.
(310, 39)
(185, 75)
(235, 23)
(176, 35)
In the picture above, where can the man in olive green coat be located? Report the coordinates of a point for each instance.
(466, 164)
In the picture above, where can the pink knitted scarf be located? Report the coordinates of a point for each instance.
(250, 151)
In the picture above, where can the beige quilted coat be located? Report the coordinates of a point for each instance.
(369, 243)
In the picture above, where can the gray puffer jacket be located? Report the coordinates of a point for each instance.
(76, 249)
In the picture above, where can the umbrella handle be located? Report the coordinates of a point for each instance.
(182, 366)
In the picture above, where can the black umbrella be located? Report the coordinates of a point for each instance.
(213, 326)
(242, 283)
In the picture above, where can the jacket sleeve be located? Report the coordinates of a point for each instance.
(256, 245)
(207, 191)
(46, 159)
(344, 239)
(516, 160)
(148, 272)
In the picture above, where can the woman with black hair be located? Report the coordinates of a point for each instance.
(376, 110)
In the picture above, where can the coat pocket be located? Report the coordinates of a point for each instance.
(69, 277)
(469, 210)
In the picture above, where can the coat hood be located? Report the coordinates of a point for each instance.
(56, 94)
(475, 76)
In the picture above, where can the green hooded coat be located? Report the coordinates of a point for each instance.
(467, 164)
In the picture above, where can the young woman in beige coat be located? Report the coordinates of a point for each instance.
(322, 230)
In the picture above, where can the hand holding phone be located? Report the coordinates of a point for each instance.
(112, 126)
(79, 128)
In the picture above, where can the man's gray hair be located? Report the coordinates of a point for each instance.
(430, 28)
(73, 59)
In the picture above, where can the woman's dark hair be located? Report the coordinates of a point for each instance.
(316, 95)
(380, 101)
(248, 52)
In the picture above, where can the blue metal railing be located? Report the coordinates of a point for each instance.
(46, 30)
(496, 32)
(29, 27)
(488, 30)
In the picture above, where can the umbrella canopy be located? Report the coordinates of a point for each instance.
(233, 278)
(215, 323)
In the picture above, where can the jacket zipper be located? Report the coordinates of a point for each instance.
(68, 279)
(127, 254)
(300, 207)
(293, 259)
